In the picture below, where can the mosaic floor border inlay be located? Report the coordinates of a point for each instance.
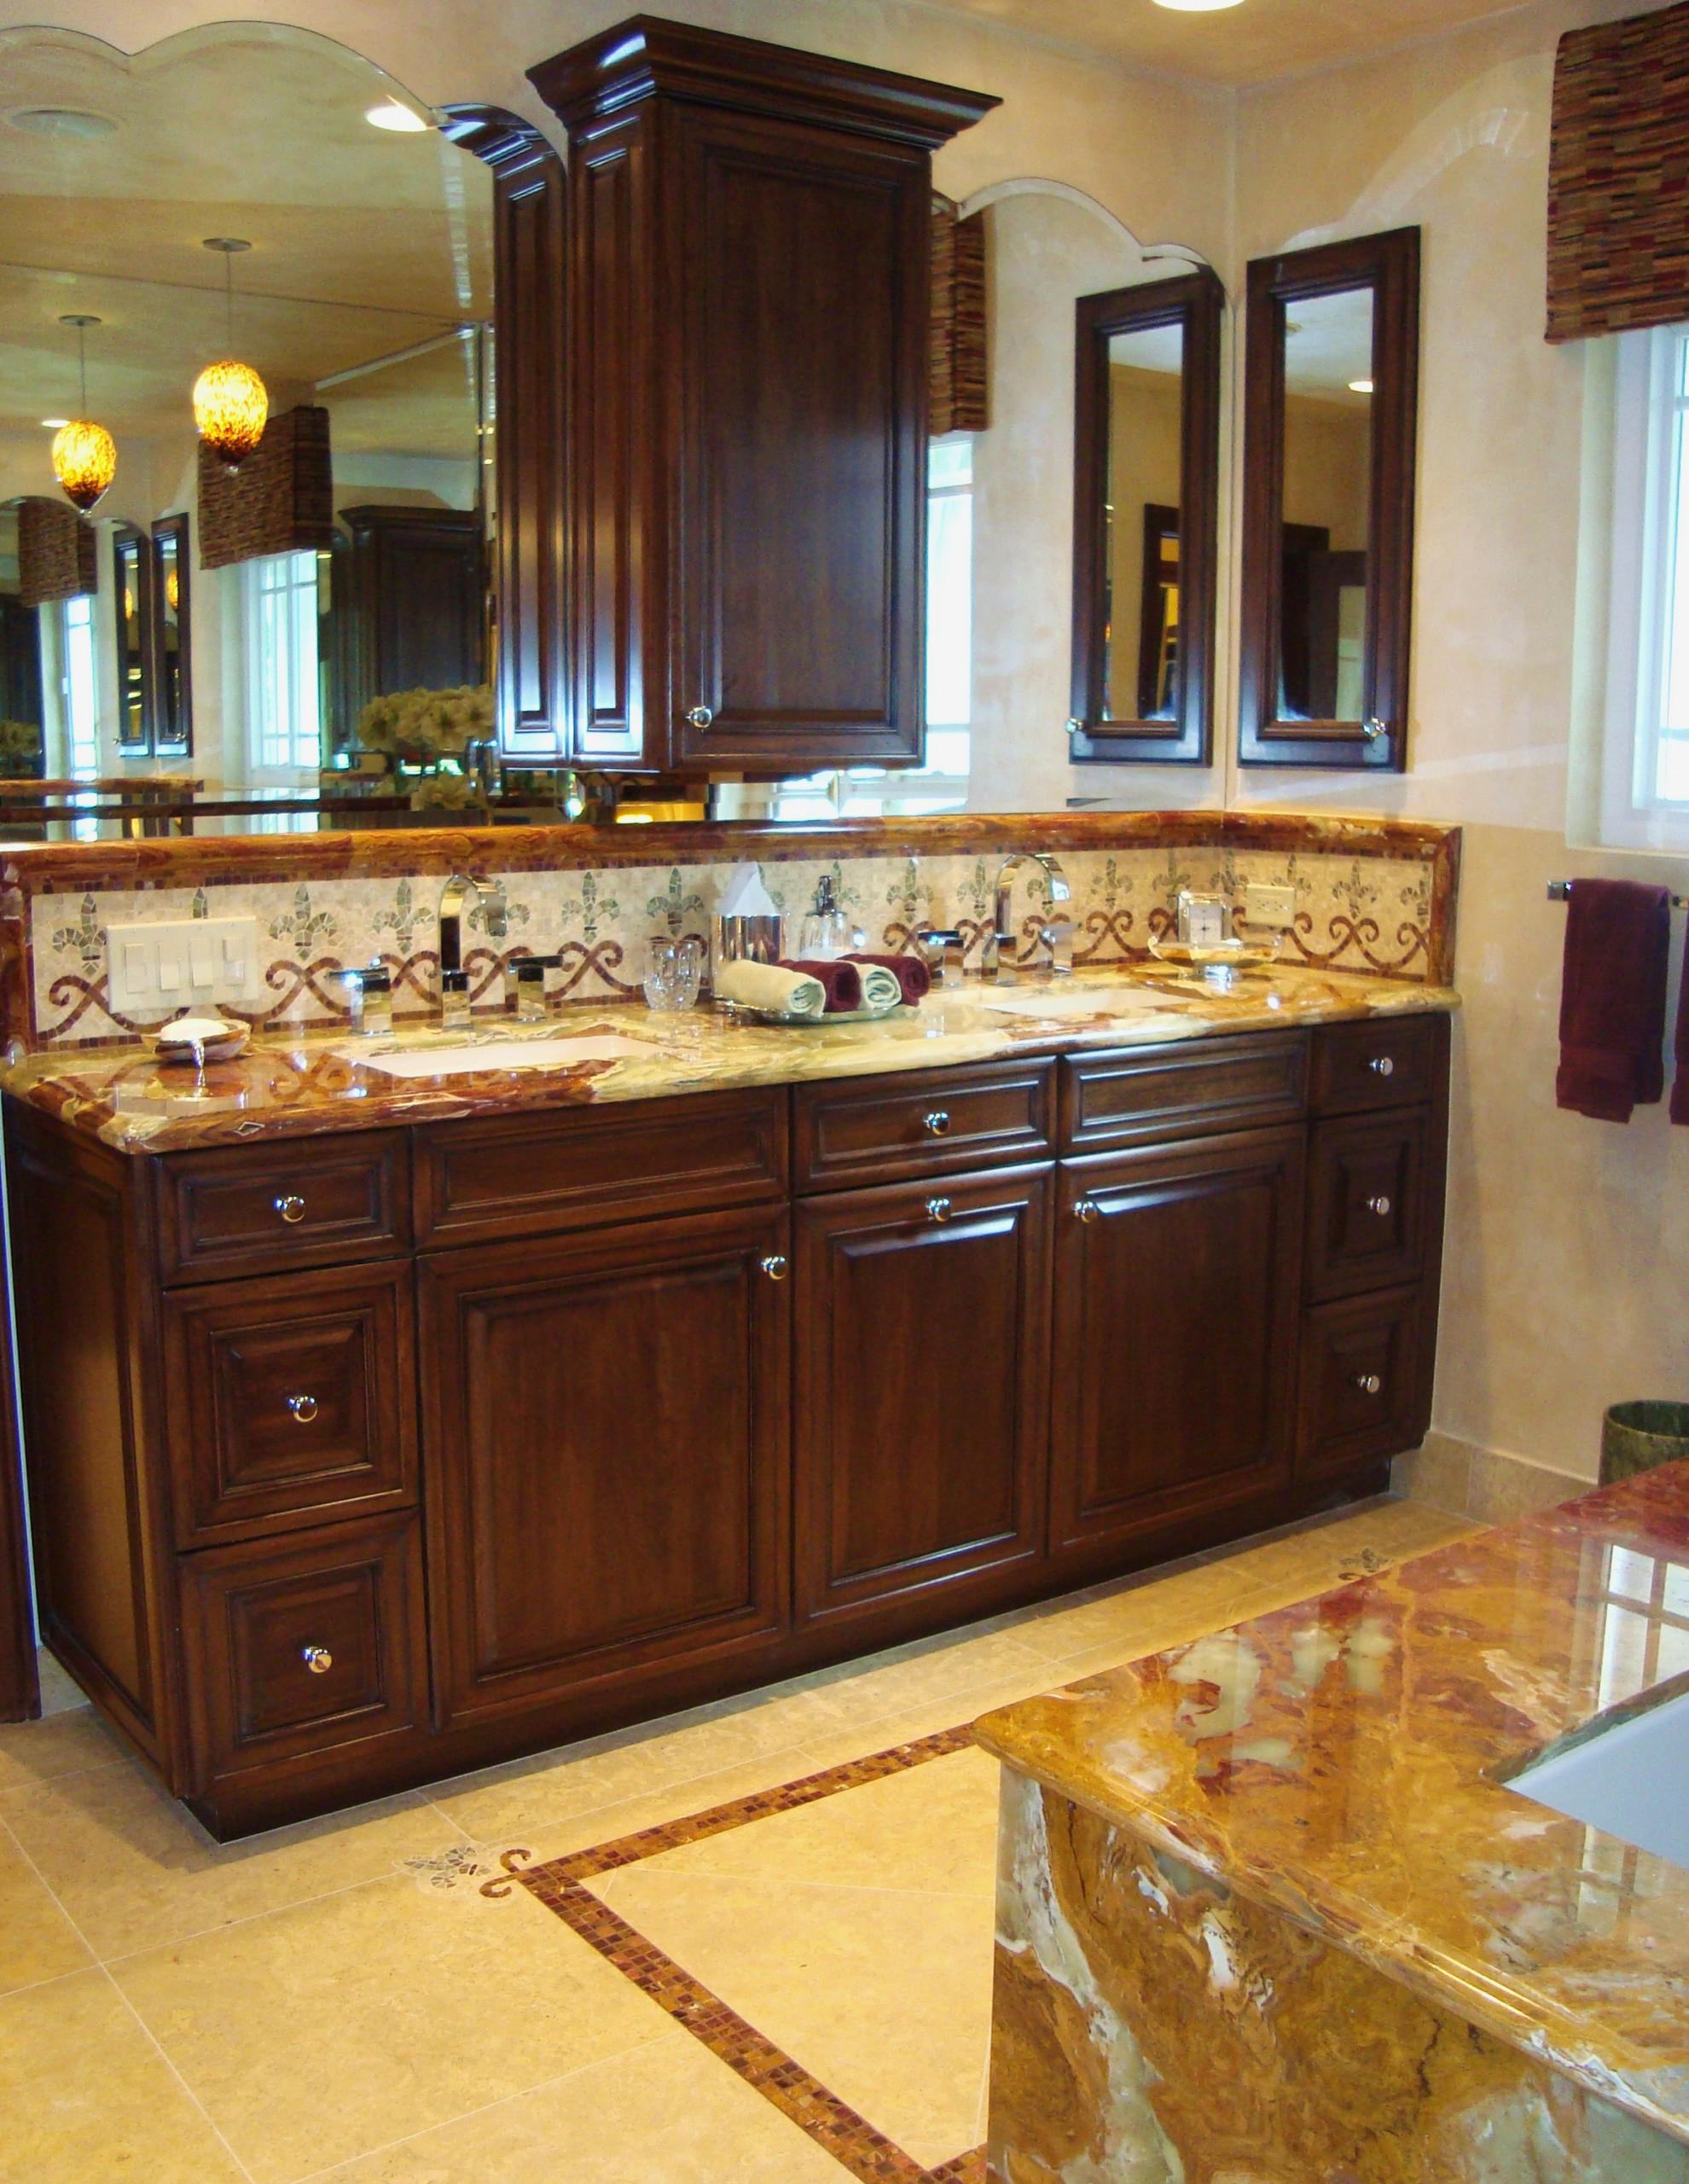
(851, 2139)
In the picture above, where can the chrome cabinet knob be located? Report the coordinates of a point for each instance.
(1374, 728)
(938, 1124)
(699, 715)
(1087, 1210)
(317, 1658)
(1381, 1066)
(290, 1208)
(1380, 1205)
(938, 1210)
(775, 1267)
(1369, 1383)
(303, 1408)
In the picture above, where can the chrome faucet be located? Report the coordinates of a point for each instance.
(489, 894)
(1003, 944)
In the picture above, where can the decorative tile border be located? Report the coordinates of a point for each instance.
(1366, 901)
(851, 2139)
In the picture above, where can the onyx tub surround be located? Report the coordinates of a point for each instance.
(381, 1425)
(1278, 1904)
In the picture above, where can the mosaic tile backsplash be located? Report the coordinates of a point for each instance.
(1368, 913)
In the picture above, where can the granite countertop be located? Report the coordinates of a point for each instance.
(1339, 1761)
(305, 1084)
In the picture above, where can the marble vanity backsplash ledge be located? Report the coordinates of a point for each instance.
(1373, 897)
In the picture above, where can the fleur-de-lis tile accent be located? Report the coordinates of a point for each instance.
(1356, 893)
(592, 906)
(977, 891)
(403, 917)
(87, 937)
(1169, 883)
(1225, 881)
(199, 908)
(303, 927)
(907, 892)
(677, 904)
(1110, 884)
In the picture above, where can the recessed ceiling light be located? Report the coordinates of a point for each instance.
(401, 120)
(62, 121)
(54, 424)
(1360, 386)
(1196, 7)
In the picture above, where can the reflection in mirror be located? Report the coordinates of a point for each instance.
(1145, 384)
(364, 303)
(1331, 405)
(1328, 472)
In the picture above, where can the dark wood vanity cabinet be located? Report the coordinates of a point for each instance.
(358, 1460)
(748, 307)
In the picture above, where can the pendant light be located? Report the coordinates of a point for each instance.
(229, 402)
(84, 454)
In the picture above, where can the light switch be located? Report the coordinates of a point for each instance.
(157, 966)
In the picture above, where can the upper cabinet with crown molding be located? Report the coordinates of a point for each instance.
(747, 302)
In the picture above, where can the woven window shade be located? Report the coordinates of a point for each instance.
(279, 501)
(57, 556)
(1618, 177)
(957, 396)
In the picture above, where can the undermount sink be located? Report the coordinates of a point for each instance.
(501, 1053)
(1630, 1780)
(1065, 999)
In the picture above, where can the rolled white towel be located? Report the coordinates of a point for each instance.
(881, 989)
(763, 985)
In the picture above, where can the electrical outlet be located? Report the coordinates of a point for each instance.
(1269, 906)
(157, 969)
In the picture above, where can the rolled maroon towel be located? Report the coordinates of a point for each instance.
(841, 979)
(910, 973)
(1679, 1083)
(1612, 999)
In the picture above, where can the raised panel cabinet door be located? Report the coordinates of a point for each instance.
(605, 1425)
(803, 315)
(1176, 1329)
(922, 1386)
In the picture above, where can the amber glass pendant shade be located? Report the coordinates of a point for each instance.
(84, 461)
(230, 407)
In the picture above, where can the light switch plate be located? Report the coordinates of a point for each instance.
(157, 969)
(1269, 906)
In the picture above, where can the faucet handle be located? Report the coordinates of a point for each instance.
(1057, 938)
(944, 952)
(496, 910)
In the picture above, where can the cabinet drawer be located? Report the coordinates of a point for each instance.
(1366, 1203)
(289, 1400)
(253, 1210)
(1360, 1382)
(1182, 1091)
(303, 1647)
(539, 1175)
(1390, 1061)
(932, 1122)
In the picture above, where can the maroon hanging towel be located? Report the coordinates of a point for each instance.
(910, 973)
(843, 981)
(1612, 999)
(1679, 1083)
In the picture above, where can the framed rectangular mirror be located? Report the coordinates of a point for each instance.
(133, 595)
(1331, 402)
(1146, 521)
(172, 642)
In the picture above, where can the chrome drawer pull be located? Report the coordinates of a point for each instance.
(1379, 1205)
(938, 1124)
(318, 1659)
(938, 1210)
(1381, 1066)
(290, 1208)
(1369, 1383)
(1089, 1210)
(699, 715)
(775, 1267)
(303, 1408)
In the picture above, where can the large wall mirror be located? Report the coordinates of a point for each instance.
(1331, 404)
(359, 288)
(1146, 520)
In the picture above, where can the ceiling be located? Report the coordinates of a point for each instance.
(1245, 44)
(365, 242)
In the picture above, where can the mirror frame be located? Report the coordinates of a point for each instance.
(1196, 303)
(1389, 265)
(132, 562)
(173, 530)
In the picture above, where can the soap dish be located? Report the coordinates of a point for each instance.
(199, 1039)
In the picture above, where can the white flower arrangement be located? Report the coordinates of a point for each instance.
(420, 727)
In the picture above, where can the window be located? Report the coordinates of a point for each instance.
(941, 784)
(284, 707)
(81, 688)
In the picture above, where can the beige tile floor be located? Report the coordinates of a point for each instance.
(323, 2000)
